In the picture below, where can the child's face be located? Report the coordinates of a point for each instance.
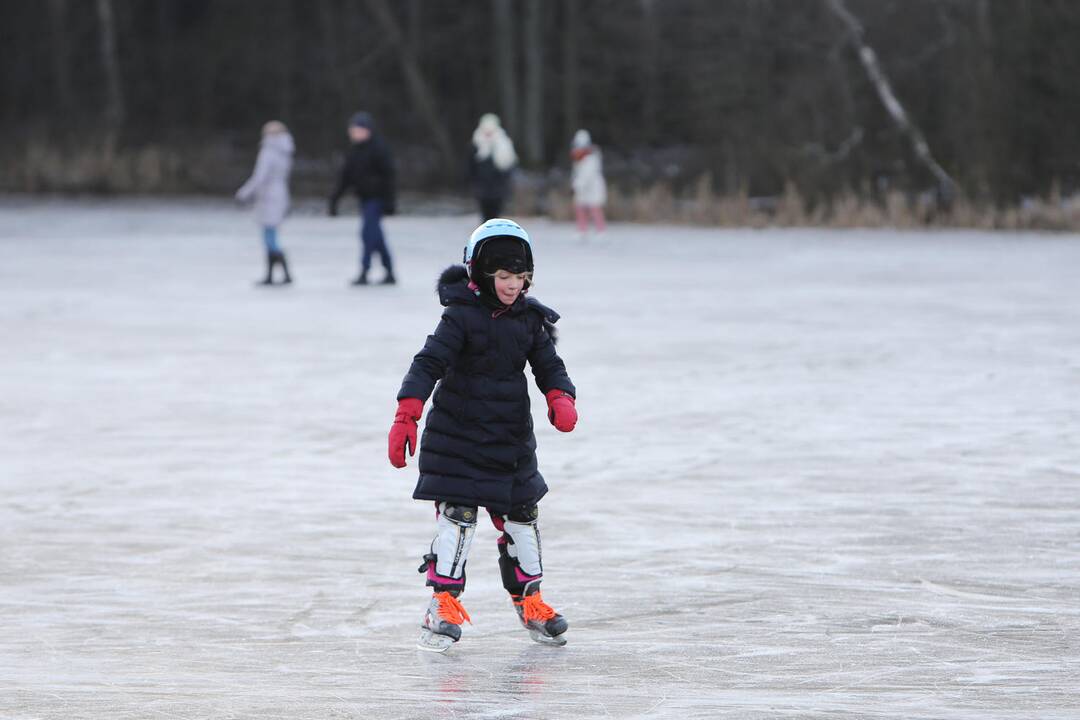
(509, 285)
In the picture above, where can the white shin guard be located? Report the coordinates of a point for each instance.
(455, 528)
(524, 546)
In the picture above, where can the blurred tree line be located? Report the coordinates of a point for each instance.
(754, 95)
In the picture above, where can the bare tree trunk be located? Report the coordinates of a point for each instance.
(329, 20)
(416, 12)
(506, 65)
(414, 78)
(60, 57)
(286, 54)
(533, 125)
(649, 66)
(110, 60)
(165, 112)
(571, 106)
(982, 22)
(985, 100)
(892, 105)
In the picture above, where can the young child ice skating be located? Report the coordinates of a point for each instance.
(478, 448)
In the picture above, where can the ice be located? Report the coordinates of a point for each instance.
(817, 475)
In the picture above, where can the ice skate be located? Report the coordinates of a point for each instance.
(442, 623)
(545, 626)
(284, 263)
(270, 263)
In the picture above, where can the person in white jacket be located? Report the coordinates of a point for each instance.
(269, 187)
(492, 160)
(587, 180)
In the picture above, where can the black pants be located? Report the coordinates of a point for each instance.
(371, 235)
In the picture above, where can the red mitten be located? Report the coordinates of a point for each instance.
(403, 431)
(561, 410)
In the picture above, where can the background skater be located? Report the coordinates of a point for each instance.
(369, 171)
(269, 186)
(491, 161)
(587, 181)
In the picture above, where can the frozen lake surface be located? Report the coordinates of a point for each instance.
(817, 475)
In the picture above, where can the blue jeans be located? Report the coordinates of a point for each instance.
(270, 239)
(371, 233)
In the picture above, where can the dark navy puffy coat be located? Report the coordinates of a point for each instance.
(478, 446)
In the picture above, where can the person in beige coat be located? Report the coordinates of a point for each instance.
(268, 186)
(587, 180)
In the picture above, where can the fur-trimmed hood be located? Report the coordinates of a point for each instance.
(478, 447)
(453, 288)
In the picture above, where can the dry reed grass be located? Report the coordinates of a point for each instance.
(101, 167)
(700, 205)
(98, 166)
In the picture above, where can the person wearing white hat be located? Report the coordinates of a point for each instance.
(587, 181)
(491, 162)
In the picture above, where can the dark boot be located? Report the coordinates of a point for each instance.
(389, 279)
(361, 279)
(270, 262)
(284, 266)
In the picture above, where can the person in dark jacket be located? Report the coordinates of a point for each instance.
(491, 161)
(478, 448)
(369, 171)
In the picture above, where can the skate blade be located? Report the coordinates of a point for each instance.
(433, 642)
(554, 640)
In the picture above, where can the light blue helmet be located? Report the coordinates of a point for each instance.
(495, 227)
